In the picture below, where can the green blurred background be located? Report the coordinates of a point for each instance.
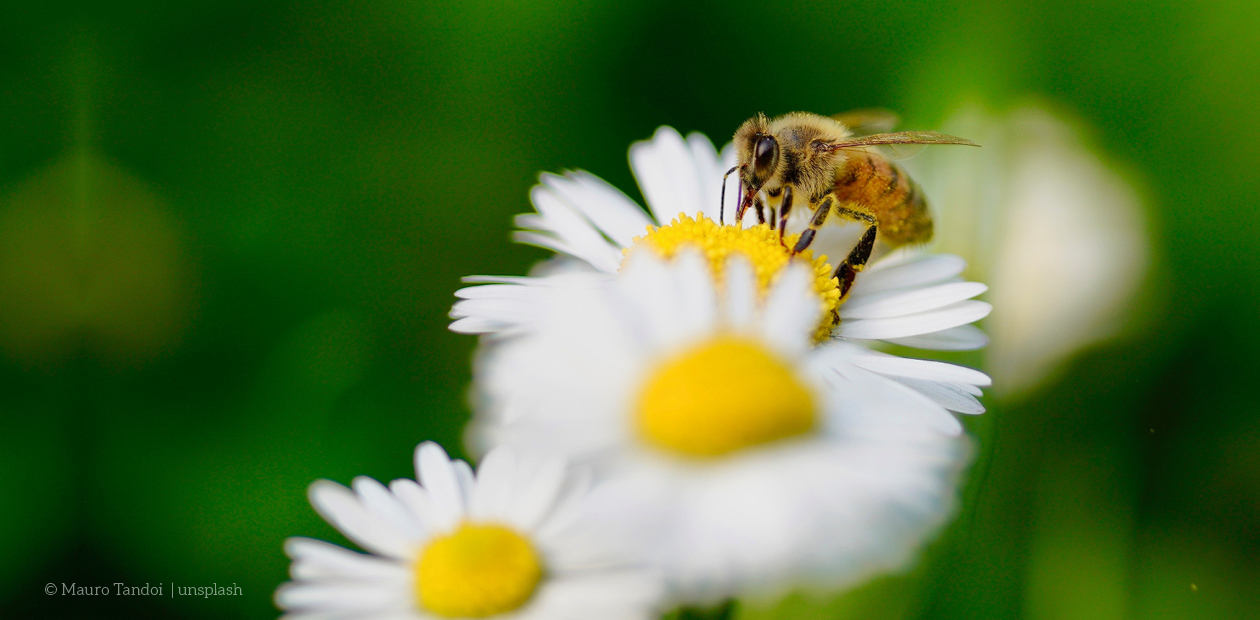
(230, 231)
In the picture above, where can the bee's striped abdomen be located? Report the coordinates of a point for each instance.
(870, 182)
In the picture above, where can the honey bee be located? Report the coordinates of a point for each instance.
(819, 160)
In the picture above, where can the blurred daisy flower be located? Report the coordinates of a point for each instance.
(1057, 233)
(509, 542)
(756, 459)
(918, 300)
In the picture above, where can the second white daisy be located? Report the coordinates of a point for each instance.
(510, 542)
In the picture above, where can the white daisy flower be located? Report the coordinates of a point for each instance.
(757, 459)
(509, 542)
(904, 298)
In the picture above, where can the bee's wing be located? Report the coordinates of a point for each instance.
(901, 144)
(868, 120)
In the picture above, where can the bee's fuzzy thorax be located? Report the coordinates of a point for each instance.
(806, 163)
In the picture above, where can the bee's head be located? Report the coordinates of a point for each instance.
(757, 152)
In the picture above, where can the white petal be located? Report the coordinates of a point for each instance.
(864, 400)
(503, 312)
(577, 233)
(341, 508)
(437, 475)
(969, 389)
(952, 315)
(568, 505)
(513, 305)
(478, 325)
(419, 505)
(526, 237)
(697, 291)
(650, 288)
(483, 279)
(902, 302)
(494, 484)
(917, 271)
(538, 494)
(467, 481)
(709, 173)
(611, 211)
(500, 291)
(582, 276)
(607, 595)
(667, 175)
(487, 303)
(741, 292)
(792, 309)
(316, 559)
(920, 369)
(342, 596)
(378, 500)
(961, 338)
(948, 395)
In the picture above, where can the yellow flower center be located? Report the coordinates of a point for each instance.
(726, 394)
(477, 571)
(760, 244)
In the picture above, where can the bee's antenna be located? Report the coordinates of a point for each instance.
(722, 200)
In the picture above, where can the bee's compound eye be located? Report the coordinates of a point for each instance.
(765, 156)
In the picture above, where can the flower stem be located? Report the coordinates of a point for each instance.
(722, 611)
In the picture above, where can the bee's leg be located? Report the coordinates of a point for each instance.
(856, 260)
(816, 222)
(760, 205)
(722, 196)
(784, 209)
